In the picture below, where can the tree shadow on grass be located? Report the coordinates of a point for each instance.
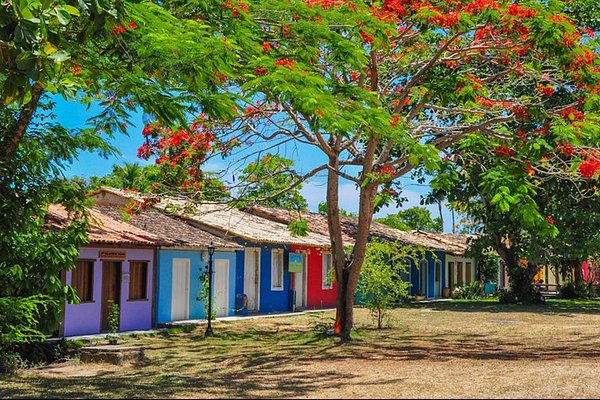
(551, 307)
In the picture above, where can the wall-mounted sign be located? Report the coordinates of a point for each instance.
(112, 255)
(296, 262)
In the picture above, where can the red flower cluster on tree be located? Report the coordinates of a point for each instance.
(522, 12)
(119, 30)
(547, 90)
(567, 149)
(385, 171)
(572, 114)
(550, 219)
(366, 37)
(589, 168)
(503, 151)
(479, 6)
(266, 47)
(285, 62)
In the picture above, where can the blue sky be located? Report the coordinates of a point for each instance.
(74, 115)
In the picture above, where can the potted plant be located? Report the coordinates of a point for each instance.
(114, 315)
(420, 296)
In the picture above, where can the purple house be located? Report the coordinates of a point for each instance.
(117, 267)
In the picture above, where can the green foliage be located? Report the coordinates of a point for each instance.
(383, 279)
(19, 319)
(471, 291)
(506, 296)
(204, 295)
(323, 210)
(272, 182)
(299, 227)
(161, 179)
(414, 218)
(114, 317)
(488, 266)
(583, 290)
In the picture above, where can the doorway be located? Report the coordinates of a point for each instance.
(111, 290)
(180, 289)
(252, 278)
(221, 291)
(299, 288)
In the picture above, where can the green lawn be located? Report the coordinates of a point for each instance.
(447, 349)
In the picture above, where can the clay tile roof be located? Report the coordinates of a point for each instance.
(453, 244)
(235, 223)
(104, 229)
(174, 229)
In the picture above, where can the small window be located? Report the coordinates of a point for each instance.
(438, 270)
(138, 280)
(82, 280)
(326, 281)
(277, 270)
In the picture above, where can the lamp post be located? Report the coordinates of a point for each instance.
(211, 251)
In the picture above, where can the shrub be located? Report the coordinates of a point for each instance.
(506, 296)
(473, 290)
(114, 318)
(11, 362)
(381, 284)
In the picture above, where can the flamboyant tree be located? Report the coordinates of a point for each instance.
(382, 88)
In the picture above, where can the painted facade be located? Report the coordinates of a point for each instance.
(319, 291)
(86, 317)
(179, 285)
(439, 273)
(257, 280)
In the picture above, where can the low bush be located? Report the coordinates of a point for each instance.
(469, 291)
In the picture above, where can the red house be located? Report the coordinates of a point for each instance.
(319, 288)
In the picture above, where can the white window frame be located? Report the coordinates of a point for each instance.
(464, 260)
(325, 285)
(277, 255)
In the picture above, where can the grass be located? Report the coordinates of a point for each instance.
(433, 350)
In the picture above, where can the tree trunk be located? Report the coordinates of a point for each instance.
(521, 279)
(577, 266)
(348, 270)
(10, 144)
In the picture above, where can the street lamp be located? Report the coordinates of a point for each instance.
(211, 251)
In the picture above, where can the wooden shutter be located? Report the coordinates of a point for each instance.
(82, 280)
(138, 280)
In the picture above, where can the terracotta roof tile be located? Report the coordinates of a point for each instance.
(170, 228)
(105, 230)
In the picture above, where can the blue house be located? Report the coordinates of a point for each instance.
(444, 266)
(182, 264)
(263, 271)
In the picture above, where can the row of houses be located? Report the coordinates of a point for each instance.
(151, 265)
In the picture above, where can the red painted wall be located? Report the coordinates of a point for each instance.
(316, 296)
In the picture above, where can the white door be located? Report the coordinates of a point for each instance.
(299, 285)
(221, 287)
(180, 293)
(251, 277)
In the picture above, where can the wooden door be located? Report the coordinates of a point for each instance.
(451, 278)
(111, 289)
